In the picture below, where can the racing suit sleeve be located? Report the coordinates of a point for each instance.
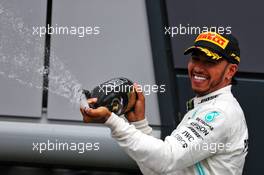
(143, 126)
(179, 150)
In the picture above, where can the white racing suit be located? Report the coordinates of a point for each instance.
(211, 139)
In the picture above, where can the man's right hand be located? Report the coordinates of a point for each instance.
(139, 109)
(98, 115)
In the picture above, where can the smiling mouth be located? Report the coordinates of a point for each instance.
(199, 77)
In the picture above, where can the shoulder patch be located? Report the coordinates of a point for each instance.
(210, 116)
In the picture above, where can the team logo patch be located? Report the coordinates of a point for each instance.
(210, 116)
(214, 38)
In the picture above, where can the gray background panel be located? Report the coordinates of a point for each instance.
(249, 93)
(45, 145)
(121, 49)
(17, 42)
(244, 18)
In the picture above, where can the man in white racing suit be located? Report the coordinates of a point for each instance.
(211, 139)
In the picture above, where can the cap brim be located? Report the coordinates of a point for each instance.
(208, 52)
(190, 50)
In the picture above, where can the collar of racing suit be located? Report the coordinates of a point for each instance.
(198, 100)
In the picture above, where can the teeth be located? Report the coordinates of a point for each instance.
(199, 78)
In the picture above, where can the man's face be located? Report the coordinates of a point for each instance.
(207, 75)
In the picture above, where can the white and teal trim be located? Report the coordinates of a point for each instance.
(199, 168)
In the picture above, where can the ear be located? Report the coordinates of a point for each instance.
(231, 71)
